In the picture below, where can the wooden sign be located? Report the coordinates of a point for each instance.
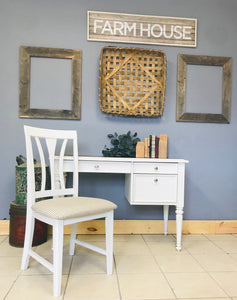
(128, 28)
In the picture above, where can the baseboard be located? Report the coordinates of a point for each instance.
(4, 227)
(147, 227)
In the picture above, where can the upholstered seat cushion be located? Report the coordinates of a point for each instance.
(62, 208)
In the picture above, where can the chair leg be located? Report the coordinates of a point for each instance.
(57, 257)
(29, 232)
(109, 223)
(72, 239)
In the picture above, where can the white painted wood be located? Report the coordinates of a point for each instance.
(57, 257)
(156, 168)
(42, 161)
(153, 189)
(72, 239)
(29, 231)
(104, 167)
(49, 193)
(42, 261)
(61, 156)
(109, 241)
(180, 205)
(128, 187)
(140, 185)
(166, 215)
(51, 144)
(90, 246)
(57, 189)
(179, 220)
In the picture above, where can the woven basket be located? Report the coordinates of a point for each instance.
(132, 81)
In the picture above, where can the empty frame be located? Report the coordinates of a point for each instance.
(25, 109)
(226, 64)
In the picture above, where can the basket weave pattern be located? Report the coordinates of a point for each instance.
(132, 81)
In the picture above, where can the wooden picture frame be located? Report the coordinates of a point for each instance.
(226, 64)
(25, 111)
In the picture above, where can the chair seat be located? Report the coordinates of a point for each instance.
(61, 208)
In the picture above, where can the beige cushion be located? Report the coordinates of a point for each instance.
(62, 208)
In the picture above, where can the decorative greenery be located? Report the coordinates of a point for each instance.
(20, 159)
(123, 145)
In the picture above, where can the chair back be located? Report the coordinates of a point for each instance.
(50, 147)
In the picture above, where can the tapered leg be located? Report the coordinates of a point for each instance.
(109, 224)
(29, 232)
(166, 214)
(57, 257)
(72, 239)
(179, 221)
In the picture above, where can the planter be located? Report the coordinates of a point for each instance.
(17, 227)
(21, 181)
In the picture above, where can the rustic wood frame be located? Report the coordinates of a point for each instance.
(25, 111)
(226, 63)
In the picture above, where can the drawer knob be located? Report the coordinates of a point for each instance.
(97, 166)
(156, 168)
(156, 180)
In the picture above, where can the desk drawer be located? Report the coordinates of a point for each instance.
(154, 189)
(104, 167)
(159, 168)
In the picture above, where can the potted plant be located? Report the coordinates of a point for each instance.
(123, 145)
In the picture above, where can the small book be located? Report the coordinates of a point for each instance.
(146, 146)
(140, 149)
(157, 147)
(163, 146)
(150, 143)
(153, 145)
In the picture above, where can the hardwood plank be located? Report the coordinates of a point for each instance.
(147, 227)
(4, 227)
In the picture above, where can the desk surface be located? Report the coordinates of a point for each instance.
(126, 165)
(128, 159)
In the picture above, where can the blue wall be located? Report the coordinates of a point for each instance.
(211, 188)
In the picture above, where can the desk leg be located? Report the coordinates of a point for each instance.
(166, 214)
(179, 221)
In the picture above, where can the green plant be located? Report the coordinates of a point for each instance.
(123, 145)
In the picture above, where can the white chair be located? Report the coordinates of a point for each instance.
(58, 210)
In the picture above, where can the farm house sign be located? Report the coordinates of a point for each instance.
(128, 28)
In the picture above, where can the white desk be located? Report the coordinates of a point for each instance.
(147, 182)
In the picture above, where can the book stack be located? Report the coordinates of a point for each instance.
(153, 147)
